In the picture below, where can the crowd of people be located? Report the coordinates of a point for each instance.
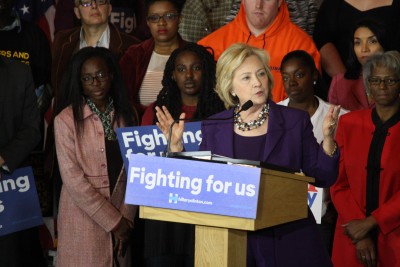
(324, 80)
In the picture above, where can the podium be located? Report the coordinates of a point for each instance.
(222, 240)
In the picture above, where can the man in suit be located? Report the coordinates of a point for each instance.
(20, 133)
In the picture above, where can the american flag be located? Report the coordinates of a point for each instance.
(40, 11)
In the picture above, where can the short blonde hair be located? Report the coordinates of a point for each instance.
(231, 59)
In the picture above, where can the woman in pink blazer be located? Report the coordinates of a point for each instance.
(93, 222)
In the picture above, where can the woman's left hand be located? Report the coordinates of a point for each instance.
(359, 229)
(366, 252)
(330, 122)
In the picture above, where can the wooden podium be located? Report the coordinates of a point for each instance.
(221, 241)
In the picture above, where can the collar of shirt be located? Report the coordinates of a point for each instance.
(104, 40)
(16, 24)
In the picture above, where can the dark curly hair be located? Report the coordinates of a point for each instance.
(71, 93)
(178, 4)
(170, 96)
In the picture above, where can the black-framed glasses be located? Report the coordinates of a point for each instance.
(155, 18)
(87, 3)
(375, 81)
(100, 77)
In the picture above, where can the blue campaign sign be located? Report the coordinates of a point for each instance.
(191, 185)
(123, 18)
(149, 140)
(19, 202)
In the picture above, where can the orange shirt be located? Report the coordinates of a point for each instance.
(280, 38)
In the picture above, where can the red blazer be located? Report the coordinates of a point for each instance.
(134, 66)
(350, 94)
(354, 136)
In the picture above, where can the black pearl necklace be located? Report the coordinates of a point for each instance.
(247, 126)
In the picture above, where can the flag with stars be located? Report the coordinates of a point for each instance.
(32, 10)
(40, 11)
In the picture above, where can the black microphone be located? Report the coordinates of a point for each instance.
(248, 104)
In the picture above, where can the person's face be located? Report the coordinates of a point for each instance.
(96, 89)
(366, 44)
(166, 28)
(93, 15)
(384, 95)
(261, 13)
(188, 73)
(250, 82)
(298, 80)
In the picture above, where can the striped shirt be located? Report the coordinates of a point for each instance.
(151, 84)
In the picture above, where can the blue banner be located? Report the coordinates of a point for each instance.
(19, 202)
(149, 140)
(190, 185)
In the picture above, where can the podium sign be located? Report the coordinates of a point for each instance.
(19, 202)
(195, 186)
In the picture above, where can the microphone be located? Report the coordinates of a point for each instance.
(248, 104)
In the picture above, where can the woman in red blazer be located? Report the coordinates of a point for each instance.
(367, 192)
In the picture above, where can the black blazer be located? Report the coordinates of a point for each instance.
(19, 114)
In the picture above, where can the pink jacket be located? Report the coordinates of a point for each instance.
(87, 211)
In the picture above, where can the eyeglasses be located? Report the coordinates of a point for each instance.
(374, 81)
(89, 79)
(169, 17)
(87, 3)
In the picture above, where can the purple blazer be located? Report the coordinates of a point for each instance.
(290, 142)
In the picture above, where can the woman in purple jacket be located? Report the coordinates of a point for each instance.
(273, 134)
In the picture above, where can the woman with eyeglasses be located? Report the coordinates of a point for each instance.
(94, 223)
(347, 89)
(367, 192)
(143, 64)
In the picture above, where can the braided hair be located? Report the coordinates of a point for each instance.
(170, 96)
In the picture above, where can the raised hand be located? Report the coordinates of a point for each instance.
(329, 129)
(330, 122)
(165, 121)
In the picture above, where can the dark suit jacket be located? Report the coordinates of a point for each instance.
(19, 115)
(66, 43)
(290, 142)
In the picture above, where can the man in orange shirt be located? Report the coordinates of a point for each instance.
(267, 25)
